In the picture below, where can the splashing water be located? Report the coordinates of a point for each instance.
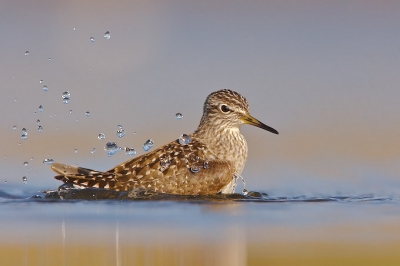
(130, 151)
(111, 148)
(184, 139)
(165, 162)
(24, 134)
(195, 169)
(101, 136)
(66, 97)
(179, 116)
(120, 133)
(48, 161)
(148, 145)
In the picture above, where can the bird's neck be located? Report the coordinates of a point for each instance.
(225, 144)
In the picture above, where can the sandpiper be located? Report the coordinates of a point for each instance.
(208, 161)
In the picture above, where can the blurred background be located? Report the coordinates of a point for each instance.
(325, 74)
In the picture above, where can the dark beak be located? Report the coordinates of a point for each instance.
(254, 122)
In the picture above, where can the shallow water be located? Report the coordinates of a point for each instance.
(100, 227)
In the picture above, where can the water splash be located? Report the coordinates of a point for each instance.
(24, 134)
(48, 161)
(184, 139)
(195, 169)
(148, 145)
(120, 133)
(101, 136)
(165, 162)
(66, 97)
(130, 151)
(179, 116)
(111, 148)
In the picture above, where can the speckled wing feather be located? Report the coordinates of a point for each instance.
(172, 168)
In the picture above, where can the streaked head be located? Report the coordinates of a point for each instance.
(229, 109)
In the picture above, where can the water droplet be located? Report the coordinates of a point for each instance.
(184, 139)
(5, 181)
(111, 148)
(179, 116)
(205, 165)
(27, 53)
(48, 161)
(40, 108)
(92, 39)
(120, 133)
(65, 97)
(26, 163)
(194, 169)
(245, 192)
(119, 127)
(74, 28)
(40, 128)
(24, 131)
(87, 113)
(49, 58)
(38, 122)
(165, 162)
(107, 35)
(45, 88)
(70, 111)
(14, 127)
(130, 151)
(148, 145)
(24, 180)
(75, 151)
(41, 81)
(101, 136)
(93, 150)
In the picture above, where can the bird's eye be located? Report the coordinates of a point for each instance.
(225, 108)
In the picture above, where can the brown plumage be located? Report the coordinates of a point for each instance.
(210, 163)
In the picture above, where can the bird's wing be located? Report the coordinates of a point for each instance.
(172, 169)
